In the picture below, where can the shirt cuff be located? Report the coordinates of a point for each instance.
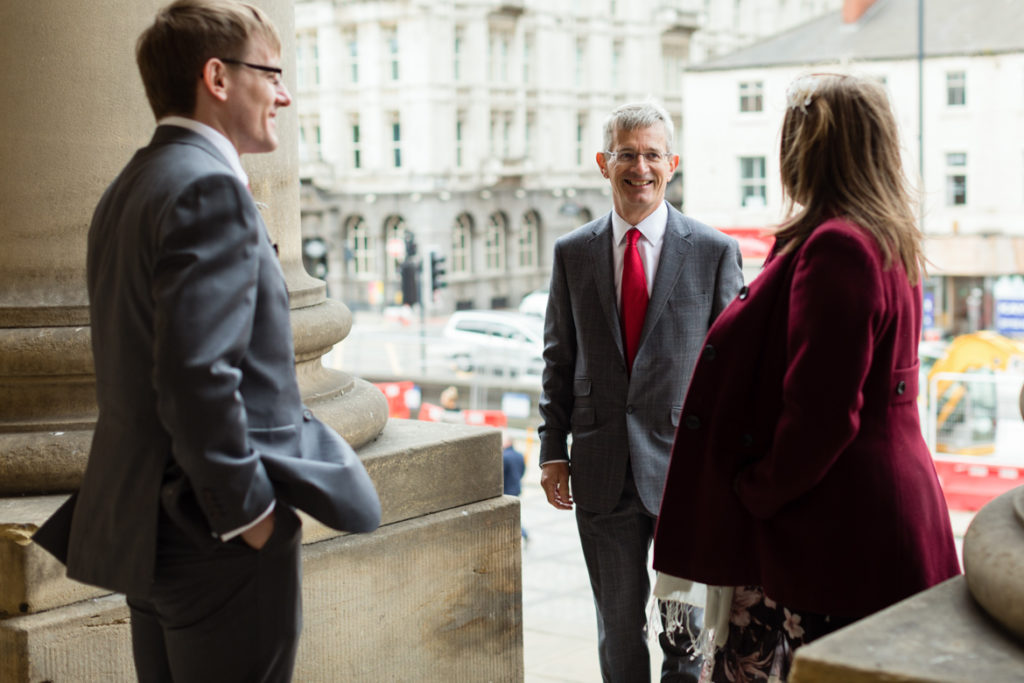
(242, 529)
(548, 462)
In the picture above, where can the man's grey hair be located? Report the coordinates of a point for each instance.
(637, 115)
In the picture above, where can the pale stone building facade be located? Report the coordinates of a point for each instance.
(473, 125)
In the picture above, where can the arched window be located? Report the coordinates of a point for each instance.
(529, 240)
(462, 244)
(361, 244)
(494, 242)
(394, 229)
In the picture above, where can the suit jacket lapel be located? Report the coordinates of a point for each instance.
(602, 261)
(674, 250)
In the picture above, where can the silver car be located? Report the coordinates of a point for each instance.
(496, 342)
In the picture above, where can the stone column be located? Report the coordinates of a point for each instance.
(75, 111)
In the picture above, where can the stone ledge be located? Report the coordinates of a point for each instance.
(418, 467)
(939, 635)
(436, 598)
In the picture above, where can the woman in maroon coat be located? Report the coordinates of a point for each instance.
(799, 475)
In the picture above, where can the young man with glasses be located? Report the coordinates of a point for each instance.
(199, 407)
(632, 295)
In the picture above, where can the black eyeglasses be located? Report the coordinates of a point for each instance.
(269, 69)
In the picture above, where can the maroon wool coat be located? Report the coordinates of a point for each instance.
(798, 464)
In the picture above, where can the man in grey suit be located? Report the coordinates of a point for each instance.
(617, 363)
(202, 444)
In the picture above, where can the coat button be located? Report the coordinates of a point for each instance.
(744, 290)
(629, 409)
(901, 388)
(307, 415)
(692, 422)
(710, 353)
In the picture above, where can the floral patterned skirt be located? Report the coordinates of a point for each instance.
(763, 636)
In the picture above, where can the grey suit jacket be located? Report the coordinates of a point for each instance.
(586, 390)
(199, 407)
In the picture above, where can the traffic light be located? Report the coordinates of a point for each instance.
(437, 272)
(410, 282)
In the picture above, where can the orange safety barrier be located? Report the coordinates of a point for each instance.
(494, 418)
(395, 393)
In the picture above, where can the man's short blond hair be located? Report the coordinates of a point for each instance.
(184, 36)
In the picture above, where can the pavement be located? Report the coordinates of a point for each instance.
(559, 627)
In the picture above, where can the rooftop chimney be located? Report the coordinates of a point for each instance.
(853, 10)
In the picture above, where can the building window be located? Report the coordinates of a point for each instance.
(494, 243)
(581, 134)
(394, 229)
(956, 88)
(751, 96)
(499, 56)
(752, 183)
(616, 76)
(396, 141)
(529, 135)
(357, 148)
(353, 56)
(673, 62)
(956, 179)
(361, 244)
(391, 47)
(528, 237)
(506, 136)
(310, 148)
(581, 62)
(528, 40)
(460, 126)
(462, 244)
(307, 59)
(457, 49)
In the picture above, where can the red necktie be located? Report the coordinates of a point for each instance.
(634, 297)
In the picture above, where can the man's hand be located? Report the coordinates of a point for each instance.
(554, 479)
(258, 535)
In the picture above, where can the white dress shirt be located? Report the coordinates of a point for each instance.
(652, 231)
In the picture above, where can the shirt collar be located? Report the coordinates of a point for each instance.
(652, 227)
(215, 137)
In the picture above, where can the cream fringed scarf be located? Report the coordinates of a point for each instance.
(678, 597)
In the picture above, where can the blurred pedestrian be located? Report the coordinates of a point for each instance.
(800, 487)
(513, 465)
(450, 406)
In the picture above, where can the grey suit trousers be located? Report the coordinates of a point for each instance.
(615, 546)
(221, 612)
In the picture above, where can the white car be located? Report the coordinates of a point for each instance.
(496, 342)
(535, 303)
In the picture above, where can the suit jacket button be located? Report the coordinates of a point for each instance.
(629, 409)
(692, 422)
(710, 353)
(901, 388)
(307, 415)
(744, 290)
(747, 440)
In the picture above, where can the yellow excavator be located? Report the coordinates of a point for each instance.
(966, 412)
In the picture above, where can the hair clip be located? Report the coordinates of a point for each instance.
(800, 92)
